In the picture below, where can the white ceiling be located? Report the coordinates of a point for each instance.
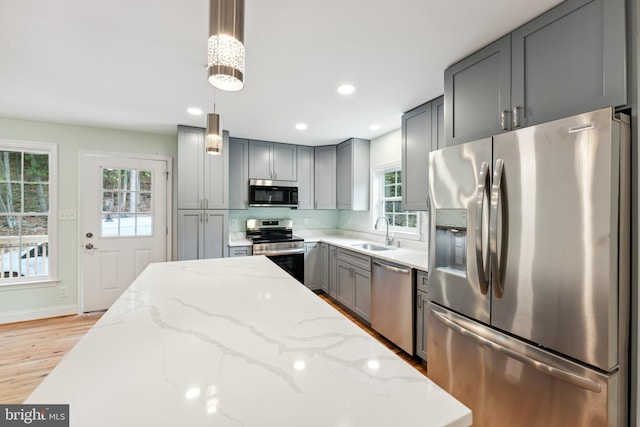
(139, 64)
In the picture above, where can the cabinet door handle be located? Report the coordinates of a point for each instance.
(206, 203)
(419, 307)
(516, 116)
(200, 217)
(503, 119)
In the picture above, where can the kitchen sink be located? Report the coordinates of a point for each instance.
(372, 247)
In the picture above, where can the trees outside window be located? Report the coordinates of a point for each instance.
(25, 211)
(391, 201)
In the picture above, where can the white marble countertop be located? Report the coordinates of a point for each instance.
(237, 342)
(408, 257)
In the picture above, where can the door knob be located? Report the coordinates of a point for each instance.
(89, 235)
(89, 246)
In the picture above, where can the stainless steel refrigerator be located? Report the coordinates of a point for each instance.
(529, 273)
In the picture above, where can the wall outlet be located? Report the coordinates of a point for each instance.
(63, 292)
(234, 223)
(305, 221)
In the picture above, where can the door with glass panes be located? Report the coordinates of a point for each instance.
(123, 213)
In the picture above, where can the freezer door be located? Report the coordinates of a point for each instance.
(459, 191)
(508, 383)
(557, 203)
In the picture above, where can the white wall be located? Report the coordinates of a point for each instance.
(23, 303)
(384, 150)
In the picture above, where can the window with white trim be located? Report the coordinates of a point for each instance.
(389, 182)
(28, 220)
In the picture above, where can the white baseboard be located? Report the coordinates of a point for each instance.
(23, 316)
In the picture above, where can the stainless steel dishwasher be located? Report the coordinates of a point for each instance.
(392, 303)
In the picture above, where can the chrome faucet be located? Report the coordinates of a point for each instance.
(387, 239)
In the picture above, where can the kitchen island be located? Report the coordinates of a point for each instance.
(237, 342)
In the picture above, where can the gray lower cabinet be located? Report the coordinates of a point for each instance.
(239, 251)
(324, 267)
(353, 174)
(306, 178)
(333, 272)
(422, 298)
(314, 274)
(272, 161)
(569, 60)
(238, 173)
(354, 282)
(422, 130)
(202, 234)
(325, 177)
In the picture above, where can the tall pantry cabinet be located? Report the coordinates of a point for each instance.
(203, 197)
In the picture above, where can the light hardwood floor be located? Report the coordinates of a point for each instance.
(30, 350)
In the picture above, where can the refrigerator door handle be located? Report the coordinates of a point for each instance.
(496, 189)
(482, 190)
(543, 367)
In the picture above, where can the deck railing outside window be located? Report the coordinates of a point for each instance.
(24, 257)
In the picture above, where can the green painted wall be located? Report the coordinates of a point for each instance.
(28, 302)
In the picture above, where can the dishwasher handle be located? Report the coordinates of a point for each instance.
(392, 267)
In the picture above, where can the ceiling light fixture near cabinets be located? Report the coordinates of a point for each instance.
(213, 139)
(301, 126)
(374, 127)
(226, 44)
(346, 89)
(194, 111)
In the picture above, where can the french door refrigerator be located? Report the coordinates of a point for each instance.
(529, 273)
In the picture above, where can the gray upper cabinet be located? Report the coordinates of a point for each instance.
(437, 124)
(567, 61)
(416, 144)
(353, 174)
(325, 177)
(202, 178)
(306, 171)
(238, 173)
(272, 161)
(477, 93)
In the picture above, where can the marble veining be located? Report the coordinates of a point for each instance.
(237, 342)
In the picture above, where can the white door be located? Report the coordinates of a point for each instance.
(123, 214)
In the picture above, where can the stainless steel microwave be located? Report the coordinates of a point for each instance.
(273, 193)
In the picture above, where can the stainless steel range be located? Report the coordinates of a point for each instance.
(274, 238)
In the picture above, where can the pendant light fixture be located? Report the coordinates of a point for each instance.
(226, 44)
(213, 137)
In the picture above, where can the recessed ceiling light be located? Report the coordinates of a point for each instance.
(374, 127)
(346, 89)
(301, 126)
(194, 111)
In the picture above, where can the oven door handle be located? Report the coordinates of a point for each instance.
(280, 252)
